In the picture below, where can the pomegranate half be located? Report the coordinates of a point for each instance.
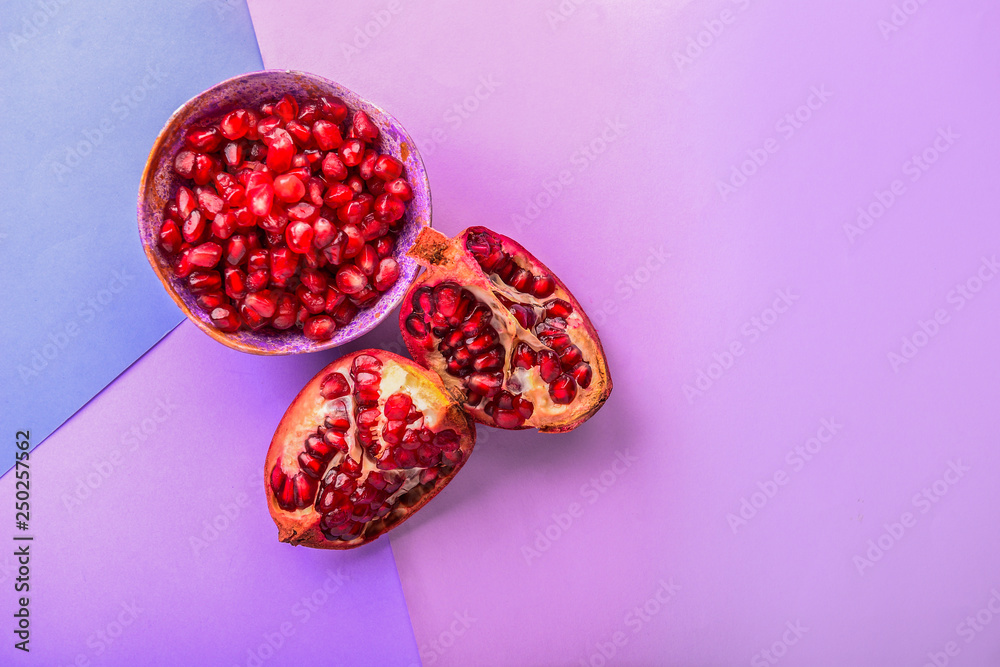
(503, 332)
(369, 441)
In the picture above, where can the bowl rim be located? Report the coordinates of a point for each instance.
(150, 169)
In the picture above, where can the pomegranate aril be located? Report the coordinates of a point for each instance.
(350, 280)
(235, 124)
(299, 236)
(170, 236)
(204, 140)
(327, 135)
(324, 232)
(548, 365)
(333, 167)
(333, 108)
(484, 384)
(367, 167)
(521, 281)
(397, 406)
(311, 466)
(314, 303)
(525, 315)
(355, 241)
(288, 188)
(206, 255)
(563, 389)
(416, 326)
(558, 308)
(570, 356)
(344, 313)
(364, 127)
(400, 188)
(320, 327)
(236, 283)
(351, 152)
(384, 246)
(258, 280)
(194, 227)
(203, 166)
(286, 108)
(284, 263)
(367, 260)
(334, 386)
(583, 374)
(507, 418)
(334, 298)
(284, 313)
(224, 318)
(184, 163)
(280, 150)
(232, 153)
(301, 134)
(389, 207)
(388, 168)
(490, 361)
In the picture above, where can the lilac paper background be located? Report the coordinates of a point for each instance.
(474, 597)
(121, 490)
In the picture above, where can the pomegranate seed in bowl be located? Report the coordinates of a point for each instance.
(277, 209)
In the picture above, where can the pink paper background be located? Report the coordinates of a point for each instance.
(473, 595)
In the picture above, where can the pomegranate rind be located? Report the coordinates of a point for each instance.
(447, 260)
(302, 527)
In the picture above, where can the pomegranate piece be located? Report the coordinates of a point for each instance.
(292, 199)
(503, 332)
(368, 442)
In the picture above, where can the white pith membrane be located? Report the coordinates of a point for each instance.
(311, 415)
(446, 257)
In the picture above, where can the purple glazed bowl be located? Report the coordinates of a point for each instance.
(159, 185)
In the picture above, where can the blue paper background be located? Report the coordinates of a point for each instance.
(82, 104)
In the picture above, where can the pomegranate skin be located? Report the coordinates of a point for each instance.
(532, 315)
(303, 526)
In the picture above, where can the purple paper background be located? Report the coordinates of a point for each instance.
(473, 595)
(673, 273)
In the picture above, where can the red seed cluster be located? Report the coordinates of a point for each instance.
(329, 478)
(288, 216)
